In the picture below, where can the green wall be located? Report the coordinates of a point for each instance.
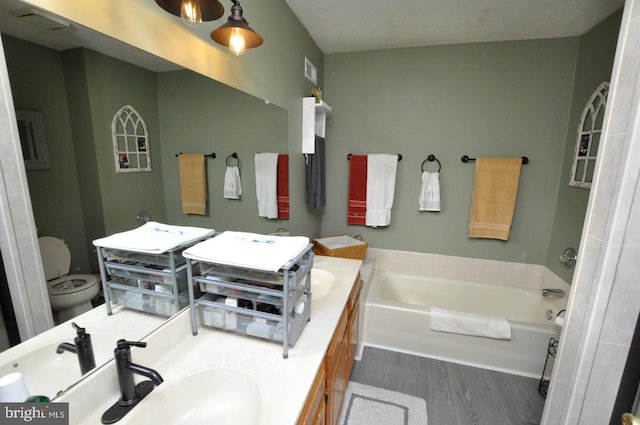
(37, 82)
(200, 115)
(595, 62)
(505, 99)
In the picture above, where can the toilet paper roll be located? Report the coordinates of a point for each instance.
(560, 321)
(13, 388)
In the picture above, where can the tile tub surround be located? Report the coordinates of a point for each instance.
(174, 352)
(531, 276)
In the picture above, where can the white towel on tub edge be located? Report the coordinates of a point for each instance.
(459, 322)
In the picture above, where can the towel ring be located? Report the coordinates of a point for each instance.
(231, 157)
(432, 158)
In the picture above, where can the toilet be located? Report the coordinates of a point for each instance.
(70, 295)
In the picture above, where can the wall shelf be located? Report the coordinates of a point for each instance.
(314, 116)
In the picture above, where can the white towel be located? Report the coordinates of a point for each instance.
(381, 183)
(232, 183)
(249, 250)
(429, 192)
(459, 322)
(266, 184)
(154, 238)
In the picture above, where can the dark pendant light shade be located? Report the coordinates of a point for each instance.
(210, 9)
(236, 27)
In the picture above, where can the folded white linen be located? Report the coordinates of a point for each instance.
(381, 184)
(249, 250)
(232, 183)
(154, 238)
(459, 322)
(430, 192)
(266, 184)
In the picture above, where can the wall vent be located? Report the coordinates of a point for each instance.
(41, 19)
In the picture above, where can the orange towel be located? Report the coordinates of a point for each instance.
(495, 189)
(357, 206)
(282, 187)
(193, 183)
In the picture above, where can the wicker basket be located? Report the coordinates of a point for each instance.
(342, 246)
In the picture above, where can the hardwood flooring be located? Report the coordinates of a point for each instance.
(455, 394)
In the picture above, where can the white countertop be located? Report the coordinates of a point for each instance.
(35, 357)
(174, 353)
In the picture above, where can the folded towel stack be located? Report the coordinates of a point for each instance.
(459, 322)
(154, 238)
(249, 250)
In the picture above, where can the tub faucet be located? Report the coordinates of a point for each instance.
(130, 393)
(547, 292)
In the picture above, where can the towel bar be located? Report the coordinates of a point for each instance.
(399, 156)
(432, 158)
(210, 155)
(466, 158)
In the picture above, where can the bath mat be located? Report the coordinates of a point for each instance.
(366, 405)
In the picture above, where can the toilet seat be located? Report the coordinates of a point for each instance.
(71, 283)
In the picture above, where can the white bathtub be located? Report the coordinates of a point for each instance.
(397, 317)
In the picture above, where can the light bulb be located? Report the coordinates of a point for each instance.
(236, 42)
(190, 13)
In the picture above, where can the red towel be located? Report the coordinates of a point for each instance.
(357, 207)
(282, 191)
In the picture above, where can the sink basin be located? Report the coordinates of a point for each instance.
(46, 373)
(322, 282)
(213, 396)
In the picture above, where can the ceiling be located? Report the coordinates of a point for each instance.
(357, 25)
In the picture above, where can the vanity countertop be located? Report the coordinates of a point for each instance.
(175, 353)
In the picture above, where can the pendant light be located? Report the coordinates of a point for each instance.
(193, 12)
(236, 34)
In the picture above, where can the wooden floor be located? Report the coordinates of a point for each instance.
(455, 394)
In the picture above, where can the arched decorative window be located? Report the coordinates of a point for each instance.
(130, 141)
(588, 141)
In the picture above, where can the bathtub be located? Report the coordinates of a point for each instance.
(397, 317)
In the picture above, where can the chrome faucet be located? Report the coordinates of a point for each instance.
(130, 393)
(547, 292)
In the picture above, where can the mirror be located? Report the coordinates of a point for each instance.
(80, 197)
(33, 140)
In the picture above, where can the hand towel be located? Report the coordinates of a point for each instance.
(495, 189)
(193, 183)
(429, 192)
(357, 204)
(459, 322)
(249, 250)
(316, 177)
(381, 183)
(154, 238)
(266, 184)
(282, 187)
(232, 183)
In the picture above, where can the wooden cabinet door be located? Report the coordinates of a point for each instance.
(315, 404)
